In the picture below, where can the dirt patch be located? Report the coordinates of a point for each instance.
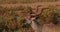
(51, 28)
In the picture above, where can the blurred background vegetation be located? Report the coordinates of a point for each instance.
(24, 1)
(12, 18)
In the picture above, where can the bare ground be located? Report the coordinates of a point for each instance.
(31, 4)
(51, 28)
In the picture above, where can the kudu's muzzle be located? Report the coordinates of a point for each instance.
(25, 24)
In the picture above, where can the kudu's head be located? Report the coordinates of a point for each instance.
(28, 19)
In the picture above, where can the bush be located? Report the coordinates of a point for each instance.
(49, 15)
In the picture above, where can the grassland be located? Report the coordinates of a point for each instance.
(12, 17)
(12, 13)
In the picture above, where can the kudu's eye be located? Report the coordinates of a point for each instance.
(37, 17)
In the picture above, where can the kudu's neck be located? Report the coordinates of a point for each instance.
(35, 25)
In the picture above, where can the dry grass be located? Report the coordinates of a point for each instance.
(13, 17)
(24, 1)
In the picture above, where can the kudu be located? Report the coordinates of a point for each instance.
(33, 23)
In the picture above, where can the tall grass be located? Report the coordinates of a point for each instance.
(13, 16)
(50, 14)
